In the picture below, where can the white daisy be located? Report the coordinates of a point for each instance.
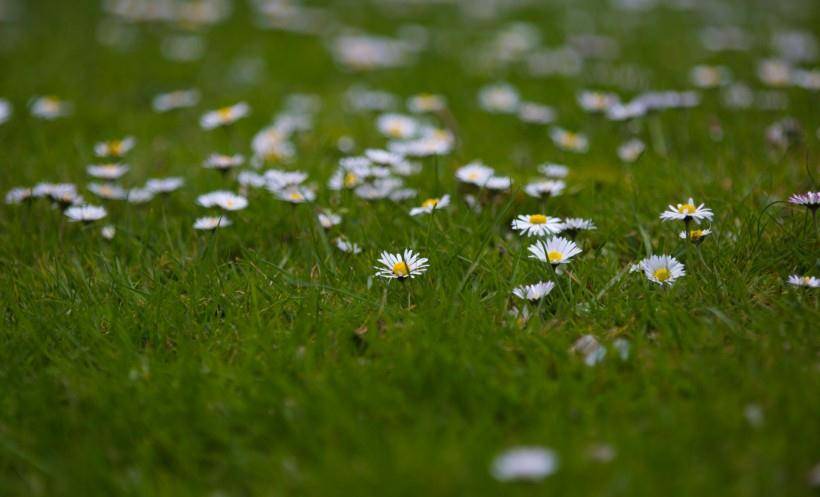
(662, 269)
(108, 232)
(567, 140)
(553, 170)
(401, 266)
(631, 150)
(276, 179)
(49, 108)
(695, 236)
(383, 157)
(524, 463)
(224, 116)
(164, 185)
(108, 191)
(498, 183)
(397, 126)
(328, 219)
(597, 102)
(115, 148)
(211, 223)
(430, 205)
(548, 188)
(226, 200)
(175, 100)
(534, 113)
(18, 195)
(139, 195)
(687, 212)
(804, 281)
(107, 171)
(499, 98)
(576, 224)
(85, 213)
(222, 162)
(557, 250)
(295, 195)
(347, 246)
(534, 292)
(475, 173)
(426, 102)
(537, 225)
(810, 200)
(5, 110)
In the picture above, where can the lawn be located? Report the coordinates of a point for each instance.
(260, 359)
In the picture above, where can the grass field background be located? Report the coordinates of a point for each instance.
(260, 360)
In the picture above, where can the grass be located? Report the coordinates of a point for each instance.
(259, 360)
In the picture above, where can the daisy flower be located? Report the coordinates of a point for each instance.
(557, 250)
(50, 108)
(400, 266)
(631, 150)
(498, 183)
(210, 223)
(276, 179)
(553, 170)
(426, 103)
(549, 188)
(534, 113)
(114, 148)
(223, 163)
(662, 269)
(85, 213)
(226, 200)
(224, 116)
(108, 191)
(108, 232)
(687, 212)
(499, 98)
(328, 219)
(397, 126)
(139, 195)
(5, 110)
(524, 463)
(430, 205)
(534, 292)
(295, 195)
(537, 225)
(18, 195)
(347, 246)
(567, 140)
(597, 102)
(804, 281)
(164, 185)
(573, 225)
(383, 157)
(107, 171)
(695, 236)
(175, 100)
(474, 173)
(704, 76)
(810, 200)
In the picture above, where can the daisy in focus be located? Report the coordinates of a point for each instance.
(210, 223)
(662, 269)
(537, 225)
(557, 250)
(809, 200)
(115, 148)
(687, 212)
(224, 116)
(534, 292)
(400, 266)
(430, 205)
(85, 213)
(804, 281)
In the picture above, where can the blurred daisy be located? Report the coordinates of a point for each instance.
(211, 223)
(175, 100)
(226, 200)
(534, 292)
(687, 212)
(223, 163)
(108, 191)
(524, 463)
(549, 188)
(114, 148)
(18, 195)
(804, 281)
(328, 219)
(108, 172)
(597, 102)
(572, 225)
(85, 213)
(108, 232)
(383, 157)
(557, 250)
(695, 236)
(431, 204)
(662, 269)
(567, 140)
(474, 173)
(498, 183)
(537, 225)
(346, 246)
(400, 266)
(552, 170)
(5, 110)
(49, 108)
(499, 98)
(276, 179)
(631, 150)
(224, 116)
(704, 76)
(397, 126)
(139, 195)
(533, 113)
(809, 200)
(295, 195)
(164, 185)
(426, 103)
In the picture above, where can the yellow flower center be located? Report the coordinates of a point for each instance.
(696, 234)
(296, 196)
(571, 139)
(686, 208)
(430, 203)
(662, 274)
(225, 112)
(472, 175)
(538, 219)
(396, 130)
(351, 180)
(115, 147)
(229, 202)
(554, 256)
(400, 269)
